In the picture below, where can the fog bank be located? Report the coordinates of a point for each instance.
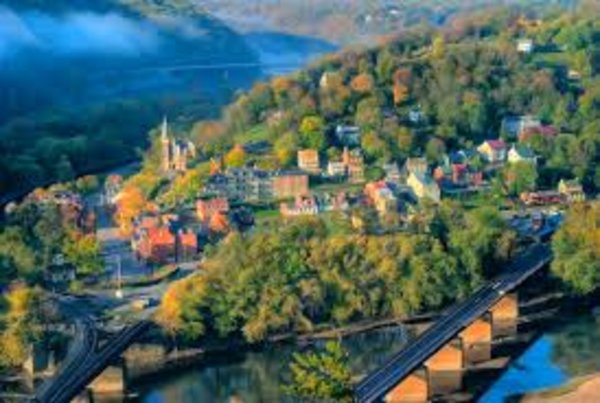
(75, 34)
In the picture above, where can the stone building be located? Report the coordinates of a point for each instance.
(252, 185)
(175, 154)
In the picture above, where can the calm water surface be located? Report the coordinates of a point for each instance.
(554, 359)
(257, 376)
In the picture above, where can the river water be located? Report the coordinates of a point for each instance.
(257, 376)
(550, 361)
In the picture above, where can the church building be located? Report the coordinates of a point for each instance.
(175, 154)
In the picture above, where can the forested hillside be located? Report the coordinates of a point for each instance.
(82, 81)
(461, 82)
(351, 21)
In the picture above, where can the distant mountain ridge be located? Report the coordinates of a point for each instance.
(350, 21)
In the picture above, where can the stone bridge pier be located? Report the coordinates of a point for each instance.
(443, 372)
(112, 381)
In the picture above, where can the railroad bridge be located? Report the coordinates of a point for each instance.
(462, 336)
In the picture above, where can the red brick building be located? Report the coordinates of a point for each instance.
(206, 209)
(219, 223)
(287, 186)
(157, 245)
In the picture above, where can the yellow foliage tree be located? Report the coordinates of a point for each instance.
(236, 157)
(131, 202)
(22, 324)
(180, 311)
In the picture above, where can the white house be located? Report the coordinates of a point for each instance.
(519, 153)
(336, 168)
(493, 151)
(424, 187)
(525, 45)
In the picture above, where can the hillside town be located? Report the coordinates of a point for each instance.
(376, 188)
(231, 197)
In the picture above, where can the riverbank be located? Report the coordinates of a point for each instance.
(159, 355)
(154, 359)
(583, 389)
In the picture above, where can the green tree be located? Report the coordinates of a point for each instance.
(323, 375)
(520, 177)
(576, 249)
(438, 47)
(83, 251)
(17, 259)
(373, 146)
(312, 133)
(368, 114)
(235, 158)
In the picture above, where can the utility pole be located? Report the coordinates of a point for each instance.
(119, 292)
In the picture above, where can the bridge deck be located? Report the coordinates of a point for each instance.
(73, 378)
(377, 384)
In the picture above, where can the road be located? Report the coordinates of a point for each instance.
(451, 322)
(83, 344)
(86, 364)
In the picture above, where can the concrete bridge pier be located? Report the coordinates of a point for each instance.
(476, 341)
(505, 315)
(112, 381)
(443, 372)
(445, 369)
(413, 389)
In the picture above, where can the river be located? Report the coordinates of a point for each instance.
(552, 360)
(256, 376)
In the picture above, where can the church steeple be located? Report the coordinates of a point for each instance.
(164, 133)
(166, 152)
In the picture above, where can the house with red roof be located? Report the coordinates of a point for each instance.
(157, 245)
(457, 175)
(308, 161)
(302, 206)
(219, 223)
(493, 151)
(548, 132)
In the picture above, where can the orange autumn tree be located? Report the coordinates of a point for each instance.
(400, 93)
(362, 83)
(402, 78)
(130, 203)
(206, 132)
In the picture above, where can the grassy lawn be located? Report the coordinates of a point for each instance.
(337, 187)
(262, 217)
(257, 133)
